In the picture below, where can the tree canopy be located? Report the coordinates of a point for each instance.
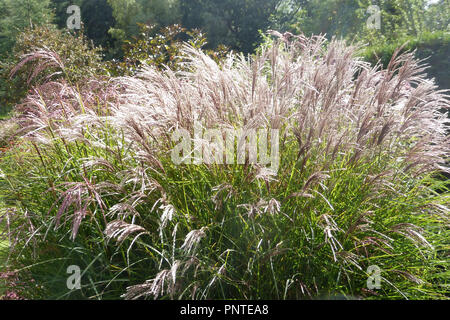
(234, 23)
(16, 15)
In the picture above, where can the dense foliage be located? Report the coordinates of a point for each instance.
(162, 50)
(87, 170)
(19, 73)
(93, 183)
(15, 15)
(433, 48)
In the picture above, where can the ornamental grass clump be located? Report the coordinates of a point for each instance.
(93, 181)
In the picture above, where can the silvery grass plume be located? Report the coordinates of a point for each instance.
(317, 95)
(120, 230)
(193, 238)
(355, 142)
(164, 281)
(44, 59)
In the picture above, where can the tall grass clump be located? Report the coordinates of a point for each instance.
(92, 182)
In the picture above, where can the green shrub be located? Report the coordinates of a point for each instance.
(161, 49)
(26, 67)
(432, 46)
(93, 183)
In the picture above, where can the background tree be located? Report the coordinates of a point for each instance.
(128, 13)
(16, 15)
(235, 23)
(96, 16)
(287, 13)
(330, 17)
(399, 19)
(437, 16)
